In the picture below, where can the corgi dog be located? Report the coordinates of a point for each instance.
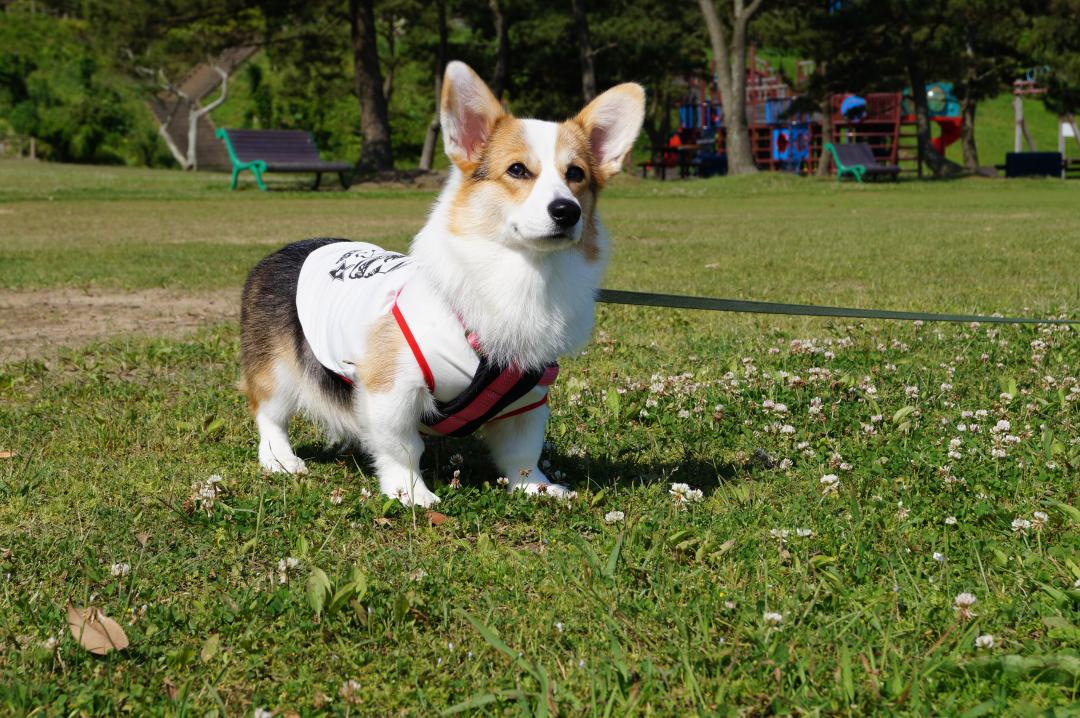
(464, 332)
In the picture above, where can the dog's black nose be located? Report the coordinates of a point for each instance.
(565, 212)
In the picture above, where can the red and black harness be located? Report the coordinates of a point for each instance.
(492, 389)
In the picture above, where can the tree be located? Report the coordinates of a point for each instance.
(427, 155)
(1054, 43)
(376, 154)
(500, 79)
(730, 58)
(985, 57)
(585, 50)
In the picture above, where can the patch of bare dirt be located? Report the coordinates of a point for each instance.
(39, 322)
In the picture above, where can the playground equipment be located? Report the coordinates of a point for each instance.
(1027, 87)
(783, 136)
(1030, 86)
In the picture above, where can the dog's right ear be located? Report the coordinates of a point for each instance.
(468, 113)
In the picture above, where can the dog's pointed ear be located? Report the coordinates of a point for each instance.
(612, 122)
(468, 112)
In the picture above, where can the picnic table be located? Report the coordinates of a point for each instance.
(682, 156)
(278, 151)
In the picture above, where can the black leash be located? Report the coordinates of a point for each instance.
(647, 299)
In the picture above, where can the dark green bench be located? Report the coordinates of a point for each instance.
(857, 159)
(278, 151)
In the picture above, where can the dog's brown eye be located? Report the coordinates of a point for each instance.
(518, 171)
(574, 174)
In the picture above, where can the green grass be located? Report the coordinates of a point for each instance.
(524, 607)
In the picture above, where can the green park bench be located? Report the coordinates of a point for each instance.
(857, 159)
(278, 151)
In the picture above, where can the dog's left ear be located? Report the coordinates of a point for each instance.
(612, 121)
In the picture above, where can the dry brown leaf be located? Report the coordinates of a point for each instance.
(383, 521)
(142, 537)
(436, 518)
(6, 454)
(95, 631)
(169, 687)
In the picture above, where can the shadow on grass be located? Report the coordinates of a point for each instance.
(624, 470)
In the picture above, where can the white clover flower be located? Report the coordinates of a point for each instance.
(350, 691)
(939, 557)
(1020, 525)
(614, 517)
(962, 604)
(263, 713)
(684, 414)
(121, 569)
(773, 618)
(337, 496)
(781, 534)
(984, 641)
(912, 392)
(950, 521)
(785, 464)
(1002, 427)
(830, 483)
(804, 533)
(683, 494)
(998, 453)
(205, 493)
(1040, 520)
(284, 567)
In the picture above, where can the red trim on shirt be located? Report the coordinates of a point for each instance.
(522, 410)
(429, 379)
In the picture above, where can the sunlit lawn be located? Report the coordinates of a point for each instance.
(855, 477)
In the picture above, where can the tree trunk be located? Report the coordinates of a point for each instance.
(933, 159)
(731, 75)
(391, 63)
(585, 51)
(427, 156)
(824, 165)
(376, 155)
(967, 133)
(500, 83)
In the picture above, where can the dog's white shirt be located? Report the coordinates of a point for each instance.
(345, 287)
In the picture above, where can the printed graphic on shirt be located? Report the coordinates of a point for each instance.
(364, 263)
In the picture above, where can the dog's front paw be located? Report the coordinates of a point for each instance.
(283, 464)
(544, 488)
(418, 496)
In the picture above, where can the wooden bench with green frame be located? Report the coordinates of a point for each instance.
(278, 151)
(857, 159)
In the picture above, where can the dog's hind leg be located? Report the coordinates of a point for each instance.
(275, 452)
(272, 413)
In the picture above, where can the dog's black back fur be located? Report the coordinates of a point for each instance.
(268, 312)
